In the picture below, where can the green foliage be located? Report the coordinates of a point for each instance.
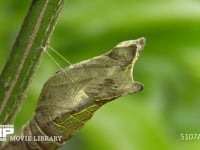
(169, 68)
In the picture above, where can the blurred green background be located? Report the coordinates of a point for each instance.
(169, 67)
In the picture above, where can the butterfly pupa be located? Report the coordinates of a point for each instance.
(70, 97)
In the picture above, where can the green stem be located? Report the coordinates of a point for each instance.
(23, 61)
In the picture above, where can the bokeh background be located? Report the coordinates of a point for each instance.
(169, 67)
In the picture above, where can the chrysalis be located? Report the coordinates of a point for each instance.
(72, 95)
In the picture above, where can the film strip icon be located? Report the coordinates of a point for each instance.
(5, 130)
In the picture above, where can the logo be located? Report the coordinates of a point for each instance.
(5, 130)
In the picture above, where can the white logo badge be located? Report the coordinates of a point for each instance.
(5, 130)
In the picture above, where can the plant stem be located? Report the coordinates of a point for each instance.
(23, 60)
